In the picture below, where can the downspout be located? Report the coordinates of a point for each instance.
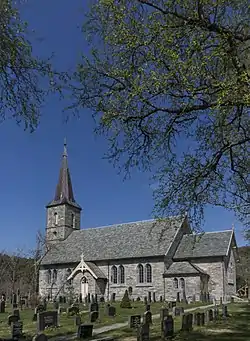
(223, 278)
(108, 284)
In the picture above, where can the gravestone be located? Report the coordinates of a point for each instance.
(134, 321)
(147, 317)
(111, 311)
(161, 299)
(184, 323)
(202, 319)
(190, 321)
(154, 297)
(168, 327)
(40, 337)
(47, 319)
(17, 330)
(178, 297)
(2, 306)
(14, 301)
(78, 321)
(177, 311)
(143, 332)
(224, 311)
(148, 307)
(17, 313)
(145, 300)
(12, 319)
(73, 310)
(164, 312)
(210, 315)
(149, 297)
(85, 331)
(94, 316)
(198, 319)
(206, 316)
(93, 307)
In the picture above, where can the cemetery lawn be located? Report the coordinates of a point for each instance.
(236, 328)
(67, 324)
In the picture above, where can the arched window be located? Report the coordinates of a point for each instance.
(49, 276)
(175, 283)
(68, 272)
(148, 273)
(140, 274)
(114, 274)
(56, 218)
(121, 274)
(54, 276)
(182, 283)
(73, 220)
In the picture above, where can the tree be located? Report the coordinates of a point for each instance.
(125, 303)
(25, 80)
(168, 82)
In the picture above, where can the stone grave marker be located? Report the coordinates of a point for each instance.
(40, 337)
(147, 317)
(73, 310)
(149, 297)
(12, 319)
(93, 307)
(111, 311)
(2, 306)
(202, 319)
(190, 321)
(143, 332)
(206, 312)
(85, 331)
(168, 327)
(148, 307)
(47, 319)
(164, 312)
(210, 315)
(17, 330)
(14, 301)
(178, 297)
(78, 321)
(154, 297)
(94, 316)
(184, 323)
(17, 313)
(198, 319)
(224, 311)
(177, 311)
(134, 321)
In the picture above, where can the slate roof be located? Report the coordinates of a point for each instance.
(177, 268)
(208, 244)
(131, 240)
(97, 271)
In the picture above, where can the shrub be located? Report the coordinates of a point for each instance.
(125, 303)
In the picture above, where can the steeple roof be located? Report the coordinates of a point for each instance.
(64, 190)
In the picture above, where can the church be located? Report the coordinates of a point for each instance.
(161, 257)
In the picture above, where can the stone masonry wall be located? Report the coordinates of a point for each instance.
(230, 278)
(192, 287)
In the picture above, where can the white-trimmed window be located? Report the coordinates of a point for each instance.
(175, 283)
(148, 268)
(114, 274)
(121, 274)
(140, 271)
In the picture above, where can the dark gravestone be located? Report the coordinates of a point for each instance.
(143, 332)
(47, 319)
(78, 320)
(154, 297)
(85, 331)
(224, 311)
(40, 337)
(168, 327)
(164, 312)
(147, 317)
(17, 313)
(12, 319)
(93, 307)
(148, 307)
(94, 316)
(73, 310)
(178, 297)
(177, 311)
(149, 297)
(210, 315)
(202, 319)
(190, 321)
(198, 319)
(184, 323)
(134, 321)
(2, 306)
(88, 297)
(14, 300)
(111, 311)
(17, 330)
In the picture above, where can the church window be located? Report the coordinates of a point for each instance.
(148, 273)
(56, 218)
(54, 276)
(49, 276)
(73, 220)
(121, 274)
(140, 273)
(175, 283)
(114, 274)
(182, 283)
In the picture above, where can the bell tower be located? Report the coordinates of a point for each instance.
(63, 213)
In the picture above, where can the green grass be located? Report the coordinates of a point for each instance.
(67, 324)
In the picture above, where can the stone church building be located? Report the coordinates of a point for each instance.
(162, 257)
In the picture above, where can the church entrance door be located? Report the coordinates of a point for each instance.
(84, 287)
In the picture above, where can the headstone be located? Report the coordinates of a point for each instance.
(198, 319)
(17, 313)
(17, 330)
(47, 319)
(224, 311)
(177, 311)
(145, 300)
(161, 299)
(73, 310)
(202, 319)
(154, 297)
(88, 297)
(111, 311)
(78, 320)
(148, 307)
(94, 316)
(210, 315)
(147, 317)
(134, 321)
(14, 300)
(2, 306)
(149, 297)
(164, 312)
(40, 337)
(93, 307)
(12, 319)
(143, 332)
(85, 331)
(168, 327)
(184, 323)
(206, 316)
(190, 321)
(178, 297)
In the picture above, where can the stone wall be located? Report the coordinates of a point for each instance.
(192, 287)
(230, 278)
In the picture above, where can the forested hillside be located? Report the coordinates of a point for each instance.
(243, 267)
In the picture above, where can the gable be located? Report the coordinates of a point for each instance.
(132, 240)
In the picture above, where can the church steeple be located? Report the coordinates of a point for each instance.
(64, 190)
(63, 213)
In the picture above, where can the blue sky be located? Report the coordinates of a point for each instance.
(30, 162)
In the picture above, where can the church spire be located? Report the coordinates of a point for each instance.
(64, 190)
